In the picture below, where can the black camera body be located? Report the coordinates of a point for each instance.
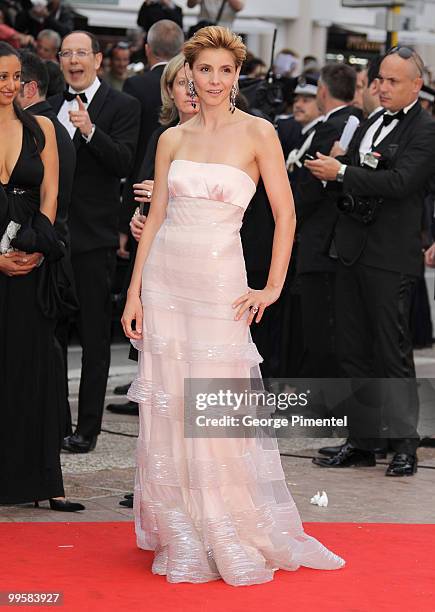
(361, 209)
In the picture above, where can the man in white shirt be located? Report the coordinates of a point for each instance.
(209, 10)
(102, 124)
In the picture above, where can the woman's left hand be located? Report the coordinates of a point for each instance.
(257, 302)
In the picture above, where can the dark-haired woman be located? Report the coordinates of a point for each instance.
(30, 424)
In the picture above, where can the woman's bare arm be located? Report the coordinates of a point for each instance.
(155, 218)
(271, 163)
(157, 212)
(50, 159)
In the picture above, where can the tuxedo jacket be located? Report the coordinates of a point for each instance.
(290, 134)
(393, 241)
(316, 210)
(101, 164)
(67, 164)
(145, 88)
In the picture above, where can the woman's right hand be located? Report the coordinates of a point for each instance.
(16, 263)
(132, 312)
(137, 224)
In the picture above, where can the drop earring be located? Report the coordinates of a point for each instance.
(192, 93)
(233, 98)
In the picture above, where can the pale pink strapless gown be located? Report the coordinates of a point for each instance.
(209, 508)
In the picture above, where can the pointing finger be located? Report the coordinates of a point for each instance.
(80, 102)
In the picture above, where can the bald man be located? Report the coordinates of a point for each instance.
(377, 240)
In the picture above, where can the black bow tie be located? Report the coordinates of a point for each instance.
(72, 96)
(387, 119)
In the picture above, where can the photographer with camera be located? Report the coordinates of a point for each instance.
(378, 243)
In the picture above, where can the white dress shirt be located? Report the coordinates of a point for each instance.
(367, 142)
(63, 114)
(296, 155)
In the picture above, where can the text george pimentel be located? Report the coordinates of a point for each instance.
(277, 423)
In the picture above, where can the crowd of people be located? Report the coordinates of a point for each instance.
(354, 301)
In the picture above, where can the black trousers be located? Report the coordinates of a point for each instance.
(374, 343)
(93, 275)
(318, 325)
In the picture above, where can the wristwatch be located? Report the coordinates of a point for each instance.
(340, 174)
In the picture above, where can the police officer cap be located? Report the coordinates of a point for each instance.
(306, 86)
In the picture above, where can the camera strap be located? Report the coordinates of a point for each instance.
(221, 10)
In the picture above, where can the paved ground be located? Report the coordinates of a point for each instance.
(99, 479)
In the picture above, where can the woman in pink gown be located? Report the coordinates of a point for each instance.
(210, 508)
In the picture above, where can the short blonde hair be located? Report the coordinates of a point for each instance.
(169, 112)
(215, 37)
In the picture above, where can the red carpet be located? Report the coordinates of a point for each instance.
(389, 567)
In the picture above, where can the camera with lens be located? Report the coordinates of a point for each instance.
(363, 210)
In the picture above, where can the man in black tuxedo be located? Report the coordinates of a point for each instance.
(294, 130)
(35, 78)
(296, 134)
(102, 124)
(164, 41)
(378, 242)
(316, 214)
(289, 133)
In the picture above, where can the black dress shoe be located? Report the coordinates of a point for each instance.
(402, 464)
(79, 444)
(347, 457)
(128, 496)
(127, 408)
(330, 451)
(63, 505)
(127, 503)
(121, 389)
(427, 443)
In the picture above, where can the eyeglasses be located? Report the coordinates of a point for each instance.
(80, 53)
(408, 53)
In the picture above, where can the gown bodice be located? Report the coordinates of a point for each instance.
(20, 196)
(28, 171)
(197, 251)
(221, 192)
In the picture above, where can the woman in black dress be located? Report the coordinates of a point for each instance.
(30, 417)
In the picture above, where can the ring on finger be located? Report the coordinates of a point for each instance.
(254, 309)
(148, 194)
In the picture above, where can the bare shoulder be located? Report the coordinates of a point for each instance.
(261, 128)
(45, 124)
(169, 139)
